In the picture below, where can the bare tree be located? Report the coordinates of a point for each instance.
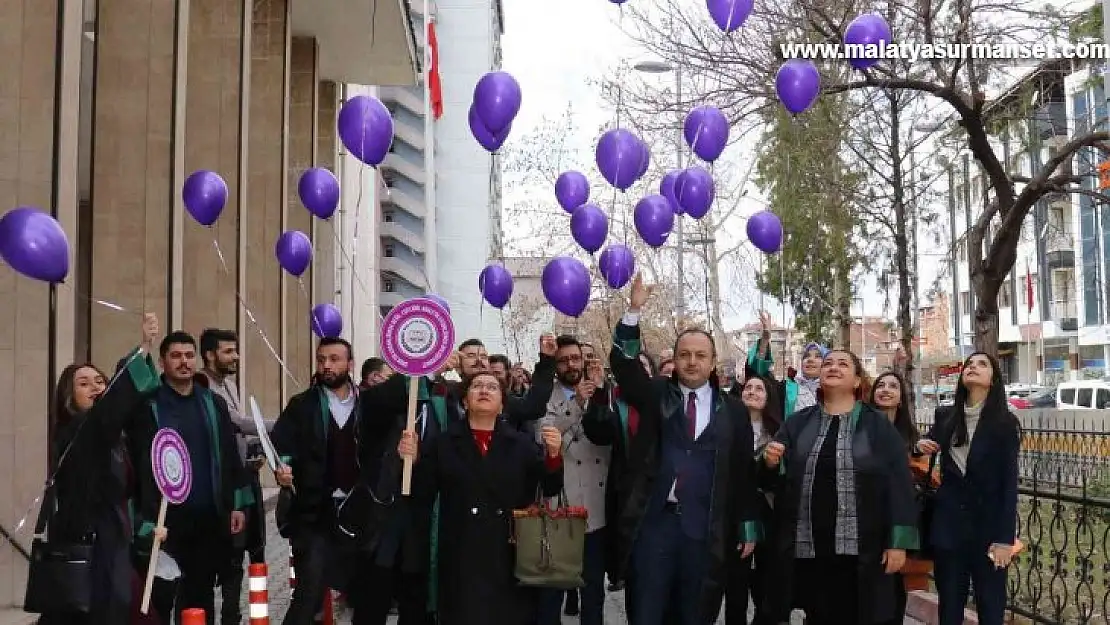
(735, 72)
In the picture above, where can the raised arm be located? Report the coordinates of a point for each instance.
(533, 406)
(636, 386)
(135, 377)
(760, 360)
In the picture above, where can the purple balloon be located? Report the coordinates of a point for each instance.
(654, 219)
(572, 190)
(294, 251)
(706, 132)
(589, 226)
(496, 285)
(797, 84)
(765, 231)
(695, 191)
(730, 15)
(497, 100)
(327, 321)
(668, 188)
(645, 159)
(366, 128)
(867, 34)
(34, 244)
(488, 140)
(439, 299)
(204, 194)
(319, 191)
(619, 156)
(617, 265)
(566, 285)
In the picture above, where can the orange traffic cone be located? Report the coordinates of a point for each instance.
(259, 595)
(192, 616)
(329, 608)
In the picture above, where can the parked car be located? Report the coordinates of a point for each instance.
(1083, 395)
(1044, 398)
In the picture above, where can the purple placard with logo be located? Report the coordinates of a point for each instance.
(418, 337)
(173, 471)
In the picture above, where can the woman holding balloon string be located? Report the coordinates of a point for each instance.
(92, 476)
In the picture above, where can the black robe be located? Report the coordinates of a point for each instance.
(885, 508)
(91, 491)
(734, 508)
(478, 494)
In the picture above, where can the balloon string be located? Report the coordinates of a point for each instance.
(304, 291)
(254, 321)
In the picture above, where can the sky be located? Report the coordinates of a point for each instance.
(554, 49)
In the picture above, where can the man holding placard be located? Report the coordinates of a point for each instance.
(204, 516)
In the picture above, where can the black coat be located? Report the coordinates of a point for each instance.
(384, 409)
(976, 510)
(605, 422)
(300, 437)
(885, 508)
(232, 486)
(476, 558)
(91, 490)
(734, 508)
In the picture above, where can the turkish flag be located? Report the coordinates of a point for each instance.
(1028, 288)
(435, 87)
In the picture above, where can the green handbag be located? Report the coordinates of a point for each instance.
(550, 544)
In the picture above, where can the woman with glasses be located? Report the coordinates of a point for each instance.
(482, 468)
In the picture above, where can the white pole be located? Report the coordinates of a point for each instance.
(431, 237)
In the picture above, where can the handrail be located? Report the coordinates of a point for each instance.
(6, 535)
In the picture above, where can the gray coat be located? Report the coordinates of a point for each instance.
(585, 465)
(246, 432)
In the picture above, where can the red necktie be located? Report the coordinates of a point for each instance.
(692, 415)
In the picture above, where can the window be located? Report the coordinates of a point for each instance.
(1084, 398)
(965, 302)
(387, 285)
(1067, 396)
(387, 216)
(387, 250)
(1102, 400)
(1004, 295)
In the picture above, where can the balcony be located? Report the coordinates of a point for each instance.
(409, 133)
(403, 270)
(417, 7)
(409, 239)
(361, 43)
(1050, 120)
(406, 202)
(390, 299)
(411, 99)
(1059, 249)
(407, 169)
(1066, 315)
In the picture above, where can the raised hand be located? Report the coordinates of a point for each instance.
(765, 319)
(408, 447)
(640, 293)
(547, 345)
(150, 332)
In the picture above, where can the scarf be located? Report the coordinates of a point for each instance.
(847, 526)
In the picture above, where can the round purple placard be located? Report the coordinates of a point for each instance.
(417, 337)
(173, 471)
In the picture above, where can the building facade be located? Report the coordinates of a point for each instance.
(441, 203)
(108, 105)
(1038, 303)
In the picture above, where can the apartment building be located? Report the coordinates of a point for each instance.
(440, 207)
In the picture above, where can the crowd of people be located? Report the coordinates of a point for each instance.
(803, 493)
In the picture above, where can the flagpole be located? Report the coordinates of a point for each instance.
(431, 269)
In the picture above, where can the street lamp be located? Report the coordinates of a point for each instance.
(663, 67)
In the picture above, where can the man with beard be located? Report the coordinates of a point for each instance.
(374, 371)
(205, 524)
(219, 350)
(473, 359)
(322, 441)
(586, 467)
(499, 366)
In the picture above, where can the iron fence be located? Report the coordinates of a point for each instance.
(1062, 576)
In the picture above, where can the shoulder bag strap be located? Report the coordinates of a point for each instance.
(47, 509)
